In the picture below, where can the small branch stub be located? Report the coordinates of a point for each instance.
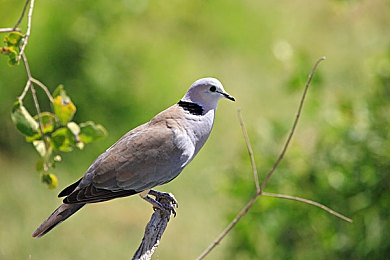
(154, 230)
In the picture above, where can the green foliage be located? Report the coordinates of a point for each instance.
(12, 43)
(63, 106)
(50, 179)
(54, 132)
(23, 121)
(49, 132)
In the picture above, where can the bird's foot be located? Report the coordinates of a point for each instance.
(164, 201)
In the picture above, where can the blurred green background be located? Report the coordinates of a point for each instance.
(123, 62)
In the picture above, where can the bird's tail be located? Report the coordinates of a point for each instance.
(60, 214)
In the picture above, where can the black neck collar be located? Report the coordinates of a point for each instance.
(191, 107)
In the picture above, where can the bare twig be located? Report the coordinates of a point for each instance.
(260, 191)
(31, 80)
(229, 227)
(43, 87)
(294, 125)
(25, 90)
(29, 77)
(34, 95)
(30, 86)
(21, 16)
(5, 30)
(27, 35)
(282, 196)
(250, 151)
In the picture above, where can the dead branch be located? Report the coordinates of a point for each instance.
(154, 231)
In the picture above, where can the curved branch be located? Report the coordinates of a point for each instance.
(294, 124)
(310, 202)
(154, 231)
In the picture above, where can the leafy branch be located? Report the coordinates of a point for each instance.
(260, 189)
(50, 132)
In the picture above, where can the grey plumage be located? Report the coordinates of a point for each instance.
(149, 155)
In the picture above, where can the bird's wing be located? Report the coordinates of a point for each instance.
(150, 155)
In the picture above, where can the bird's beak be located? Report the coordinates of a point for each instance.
(226, 95)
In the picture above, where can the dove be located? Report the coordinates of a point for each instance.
(150, 155)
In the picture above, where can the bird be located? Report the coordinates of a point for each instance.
(150, 155)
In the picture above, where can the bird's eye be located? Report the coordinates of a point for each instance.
(213, 88)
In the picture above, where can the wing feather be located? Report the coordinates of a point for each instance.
(149, 155)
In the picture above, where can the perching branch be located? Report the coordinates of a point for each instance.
(260, 191)
(154, 231)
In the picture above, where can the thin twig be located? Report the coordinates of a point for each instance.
(21, 16)
(34, 95)
(250, 151)
(30, 80)
(27, 67)
(27, 87)
(229, 227)
(43, 87)
(25, 90)
(5, 30)
(260, 192)
(27, 35)
(282, 196)
(294, 125)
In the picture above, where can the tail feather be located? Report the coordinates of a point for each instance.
(60, 214)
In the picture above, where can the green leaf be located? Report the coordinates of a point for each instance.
(40, 147)
(23, 121)
(48, 121)
(90, 132)
(13, 39)
(12, 56)
(40, 166)
(74, 128)
(63, 140)
(63, 106)
(50, 179)
(48, 124)
(58, 91)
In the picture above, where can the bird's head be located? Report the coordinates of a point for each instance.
(206, 92)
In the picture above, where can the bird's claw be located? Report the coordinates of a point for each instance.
(164, 201)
